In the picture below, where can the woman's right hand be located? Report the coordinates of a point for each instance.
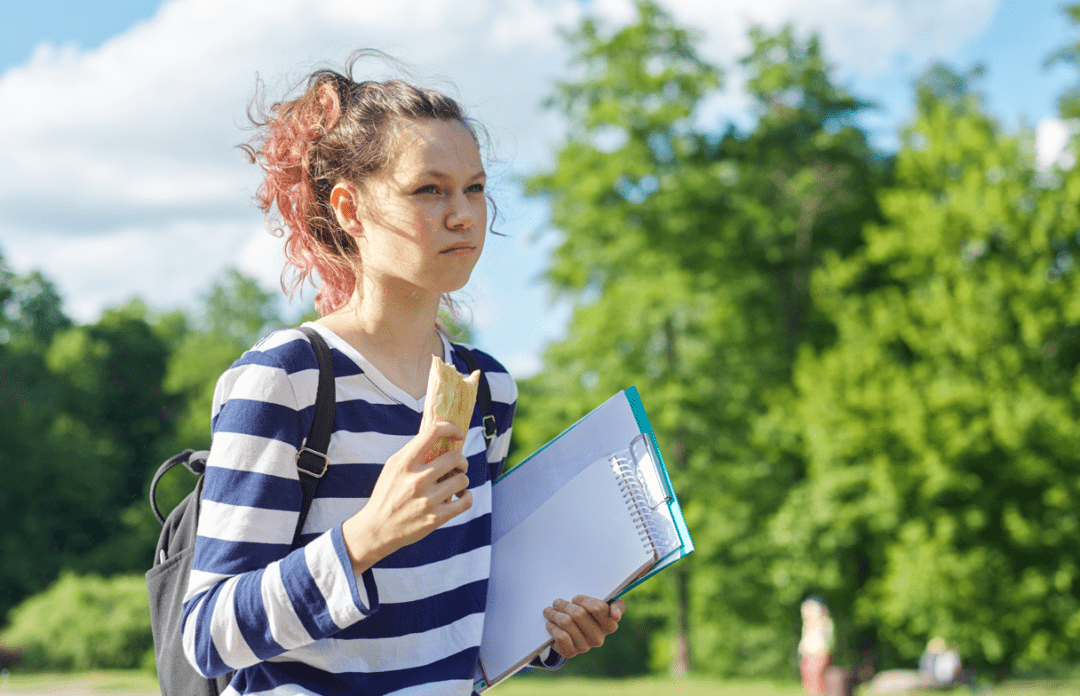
(408, 501)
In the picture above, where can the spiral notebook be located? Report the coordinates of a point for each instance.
(592, 512)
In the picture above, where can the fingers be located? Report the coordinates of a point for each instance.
(452, 507)
(427, 437)
(447, 464)
(563, 642)
(443, 465)
(603, 614)
(449, 485)
(583, 624)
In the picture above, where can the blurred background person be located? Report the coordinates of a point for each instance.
(815, 645)
(941, 663)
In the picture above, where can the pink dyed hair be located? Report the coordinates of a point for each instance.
(336, 130)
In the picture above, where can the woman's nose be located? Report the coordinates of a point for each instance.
(461, 214)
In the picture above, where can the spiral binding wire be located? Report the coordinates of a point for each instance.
(654, 537)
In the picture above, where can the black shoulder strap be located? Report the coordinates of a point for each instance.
(311, 460)
(483, 392)
(195, 463)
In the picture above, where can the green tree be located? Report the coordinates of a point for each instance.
(110, 375)
(113, 372)
(618, 174)
(32, 311)
(239, 310)
(940, 434)
(88, 413)
(687, 252)
(52, 498)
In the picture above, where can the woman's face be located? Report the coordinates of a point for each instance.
(423, 219)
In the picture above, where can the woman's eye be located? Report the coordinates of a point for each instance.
(475, 188)
(430, 188)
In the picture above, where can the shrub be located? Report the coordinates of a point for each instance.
(84, 622)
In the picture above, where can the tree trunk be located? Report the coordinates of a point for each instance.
(681, 659)
(680, 647)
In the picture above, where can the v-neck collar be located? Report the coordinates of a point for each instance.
(377, 378)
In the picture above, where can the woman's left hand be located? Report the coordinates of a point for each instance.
(582, 624)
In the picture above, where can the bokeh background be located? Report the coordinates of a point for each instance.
(832, 244)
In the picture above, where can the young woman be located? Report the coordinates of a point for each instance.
(381, 188)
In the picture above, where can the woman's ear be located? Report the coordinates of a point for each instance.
(345, 200)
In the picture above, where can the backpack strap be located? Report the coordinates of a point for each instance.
(311, 460)
(195, 463)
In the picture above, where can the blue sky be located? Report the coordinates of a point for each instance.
(1022, 35)
(135, 106)
(87, 23)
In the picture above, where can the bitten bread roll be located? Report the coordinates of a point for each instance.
(450, 397)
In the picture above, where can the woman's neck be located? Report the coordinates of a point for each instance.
(394, 333)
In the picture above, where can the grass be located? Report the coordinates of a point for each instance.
(117, 681)
(643, 687)
(120, 682)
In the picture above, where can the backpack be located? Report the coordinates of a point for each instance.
(167, 579)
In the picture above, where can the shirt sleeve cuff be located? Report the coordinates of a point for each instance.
(366, 598)
(548, 659)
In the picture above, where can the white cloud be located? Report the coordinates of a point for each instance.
(166, 266)
(261, 256)
(121, 176)
(864, 36)
(523, 365)
(1051, 137)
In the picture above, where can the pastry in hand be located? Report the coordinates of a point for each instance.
(450, 397)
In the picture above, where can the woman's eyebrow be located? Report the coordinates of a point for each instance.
(437, 174)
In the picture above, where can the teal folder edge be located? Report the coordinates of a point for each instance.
(686, 545)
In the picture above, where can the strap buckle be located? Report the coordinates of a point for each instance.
(490, 427)
(325, 460)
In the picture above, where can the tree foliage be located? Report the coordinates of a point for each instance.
(688, 251)
(941, 432)
(236, 312)
(91, 410)
(43, 447)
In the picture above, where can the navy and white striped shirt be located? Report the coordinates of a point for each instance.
(300, 621)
